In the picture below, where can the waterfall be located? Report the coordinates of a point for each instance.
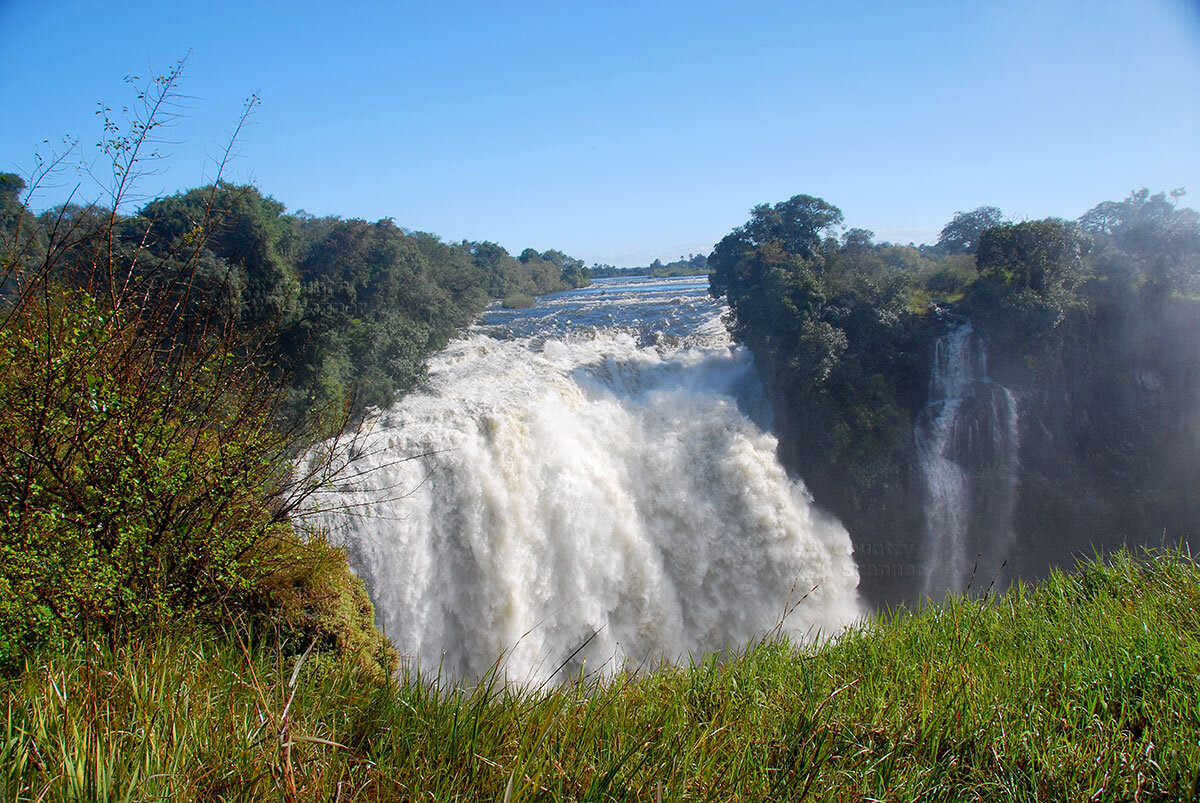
(584, 502)
(967, 441)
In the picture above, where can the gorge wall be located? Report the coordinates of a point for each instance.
(1025, 458)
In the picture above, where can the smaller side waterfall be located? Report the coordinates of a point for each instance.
(967, 441)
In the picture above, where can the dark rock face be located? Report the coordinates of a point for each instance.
(885, 520)
(1111, 452)
(1089, 445)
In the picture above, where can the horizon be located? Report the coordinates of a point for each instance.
(624, 134)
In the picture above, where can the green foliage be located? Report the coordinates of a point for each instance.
(951, 277)
(842, 329)
(347, 310)
(367, 304)
(1042, 255)
(531, 274)
(598, 271)
(1082, 688)
(517, 301)
(831, 327)
(962, 234)
(691, 265)
(1121, 255)
(694, 265)
(141, 481)
(237, 227)
(1145, 242)
(572, 273)
(11, 208)
(797, 224)
(313, 599)
(22, 239)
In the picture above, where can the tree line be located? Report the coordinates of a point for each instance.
(839, 322)
(351, 308)
(691, 265)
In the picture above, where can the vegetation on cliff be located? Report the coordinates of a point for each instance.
(836, 327)
(1092, 323)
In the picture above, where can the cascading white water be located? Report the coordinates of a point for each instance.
(584, 501)
(947, 502)
(967, 445)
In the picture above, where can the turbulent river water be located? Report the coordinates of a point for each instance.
(586, 485)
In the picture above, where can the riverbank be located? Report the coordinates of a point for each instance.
(1083, 687)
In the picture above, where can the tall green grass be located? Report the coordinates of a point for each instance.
(1086, 687)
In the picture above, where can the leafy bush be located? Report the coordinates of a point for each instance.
(952, 276)
(142, 483)
(517, 301)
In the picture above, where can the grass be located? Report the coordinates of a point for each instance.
(920, 300)
(1086, 687)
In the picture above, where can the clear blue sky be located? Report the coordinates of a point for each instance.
(623, 131)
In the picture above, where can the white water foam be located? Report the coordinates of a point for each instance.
(966, 460)
(584, 504)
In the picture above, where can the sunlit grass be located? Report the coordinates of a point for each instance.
(921, 301)
(1085, 687)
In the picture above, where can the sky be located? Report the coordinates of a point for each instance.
(621, 132)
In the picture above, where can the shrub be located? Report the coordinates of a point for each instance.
(517, 301)
(141, 480)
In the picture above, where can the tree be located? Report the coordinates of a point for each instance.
(857, 239)
(241, 227)
(11, 186)
(1043, 255)
(370, 314)
(798, 224)
(961, 234)
(22, 240)
(497, 265)
(1159, 240)
(144, 482)
(785, 236)
(768, 271)
(830, 330)
(575, 273)
(1028, 273)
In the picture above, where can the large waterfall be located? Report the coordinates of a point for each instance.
(585, 487)
(967, 444)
